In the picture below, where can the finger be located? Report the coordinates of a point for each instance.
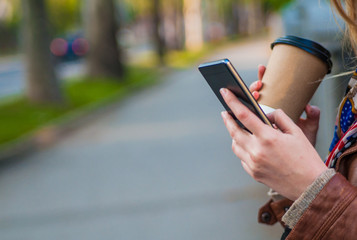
(247, 168)
(282, 121)
(238, 134)
(256, 95)
(242, 155)
(261, 71)
(312, 112)
(255, 86)
(239, 151)
(242, 113)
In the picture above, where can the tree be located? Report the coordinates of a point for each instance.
(104, 57)
(42, 84)
(175, 7)
(158, 37)
(193, 25)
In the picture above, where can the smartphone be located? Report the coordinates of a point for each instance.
(221, 74)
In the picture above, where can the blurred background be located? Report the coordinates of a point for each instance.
(108, 131)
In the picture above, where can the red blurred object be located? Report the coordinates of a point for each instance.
(59, 47)
(80, 46)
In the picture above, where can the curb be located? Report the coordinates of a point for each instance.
(48, 135)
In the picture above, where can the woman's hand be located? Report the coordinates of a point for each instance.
(257, 85)
(284, 160)
(309, 125)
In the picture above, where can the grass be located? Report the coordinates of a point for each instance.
(181, 59)
(174, 59)
(18, 116)
(185, 59)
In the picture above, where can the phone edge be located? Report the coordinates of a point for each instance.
(247, 92)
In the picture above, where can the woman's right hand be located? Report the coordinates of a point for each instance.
(308, 125)
(269, 155)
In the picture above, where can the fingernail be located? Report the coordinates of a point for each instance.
(259, 84)
(224, 114)
(223, 91)
(255, 95)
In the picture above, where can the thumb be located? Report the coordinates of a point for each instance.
(282, 121)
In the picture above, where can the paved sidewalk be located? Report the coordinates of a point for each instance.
(159, 166)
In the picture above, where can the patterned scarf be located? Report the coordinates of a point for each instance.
(345, 133)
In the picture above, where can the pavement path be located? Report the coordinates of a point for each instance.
(159, 166)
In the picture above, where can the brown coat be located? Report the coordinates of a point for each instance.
(332, 214)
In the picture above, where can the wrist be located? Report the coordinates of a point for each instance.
(313, 173)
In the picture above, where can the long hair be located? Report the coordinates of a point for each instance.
(348, 11)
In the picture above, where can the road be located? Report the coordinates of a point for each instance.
(12, 74)
(159, 166)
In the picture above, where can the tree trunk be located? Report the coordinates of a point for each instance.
(235, 19)
(193, 25)
(254, 17)
(158, 37)
(104, 57)
(179, 28)
(42, 84)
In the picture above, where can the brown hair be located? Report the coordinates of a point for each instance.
(349, 14)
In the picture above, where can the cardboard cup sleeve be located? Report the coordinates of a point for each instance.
(294, 71)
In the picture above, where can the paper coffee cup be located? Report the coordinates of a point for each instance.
(294, 71)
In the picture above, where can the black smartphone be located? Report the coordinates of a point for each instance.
(221, 74)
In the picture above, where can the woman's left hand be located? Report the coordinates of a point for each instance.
(308, 125)
(284, 160)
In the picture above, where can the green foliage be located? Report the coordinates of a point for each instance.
(64, 15)
(275, 5)
(272, 5)
(138, 7)
(19, 117)
(185, 59)
(9, 25)
(13, 14)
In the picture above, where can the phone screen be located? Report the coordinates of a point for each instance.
(221, 74)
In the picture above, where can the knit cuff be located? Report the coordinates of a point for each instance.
(292, 216)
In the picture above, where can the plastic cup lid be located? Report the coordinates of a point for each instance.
(309, 46)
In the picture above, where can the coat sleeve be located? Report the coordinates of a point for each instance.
(346, 181)
(287, 212)
(298, 208)
(331, 215)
